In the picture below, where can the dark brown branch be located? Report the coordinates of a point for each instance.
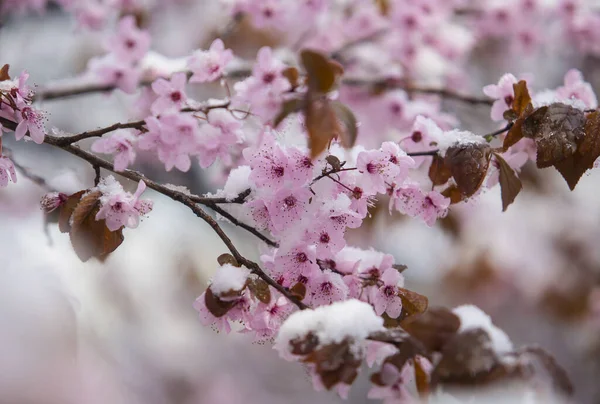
(61, 141)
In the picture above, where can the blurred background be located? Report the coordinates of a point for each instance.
(125, 331)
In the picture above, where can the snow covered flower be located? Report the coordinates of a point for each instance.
(120, 208)
(209, 65)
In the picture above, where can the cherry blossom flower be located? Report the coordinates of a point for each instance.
(326, 288)
(209, 65)
(30, 121)
(171, 93)
(120, 208)
(7, 171)
(120, 73)
(130, 44)
(504, 95)
(267, 318)
(385, 298)
(121, 144)
(576, 87)
(288, 206)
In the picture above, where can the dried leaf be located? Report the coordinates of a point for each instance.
(66, 210)
(465, 357)
(260, 289)
(346, 116)
(288, 107)
(453, 193)
(304, 345)
(291, 73)
(227, 259)
(516, 133)
(559, 377)
(321, 74)
(90, 237)
(588, 150)
(4, 73)
(334, 162)
(468, 164)
(522, 97)
(399, 267)
(412, 303)
(432, 328)
(510, 184)
(298, 291)
(421, 379)
(557, 130)
(216, 306)
(439, 173)
(335, 363)
(322, 125)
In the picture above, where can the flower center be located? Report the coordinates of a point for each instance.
(417, 136)
(290, 201)
(326, 287)
(389, 291)
(268, 78)
(301, 257)
(324, 238)
(176, 96)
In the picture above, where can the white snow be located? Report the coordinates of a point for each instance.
(457, 137)
(331, 324)
(228, 278)
(472, 317)
(237, 182)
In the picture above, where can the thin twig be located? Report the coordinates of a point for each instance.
(99, 132)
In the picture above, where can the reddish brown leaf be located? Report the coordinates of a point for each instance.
(66, 210)
(4, 73)
(510, 184)
(412, 303)
(557, 130)
(588, 150)
(465, 359)
(304, 345)
(322, 126)
(350, 125)
(227, 259)
(321, 73)
(439, 173)
(291, 73)
(287, 108)
(522, 97)
(335, 363)
(516, 131)
(432, 328)
(216, 306)
(468, 164)
(90, 237)
(260, 289)
(421, 379)
(298, 291)
(453, 193)
(557, 375)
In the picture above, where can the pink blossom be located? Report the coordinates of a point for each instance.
(209, 65)
(30, 121)
(504, 95)
(266, 13)
(120, 208)
(328, 238)
(270, 165)
(239, 312)
(384, 297)
(395, 389)
(435, 205)
(326, 288)
(267, 318)
(52, 201)
(298, 261)
(576, 87)
(7, 170)
(171, 93)
(130, 44)
(120, 143)
(116, 72)
(287, 206)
